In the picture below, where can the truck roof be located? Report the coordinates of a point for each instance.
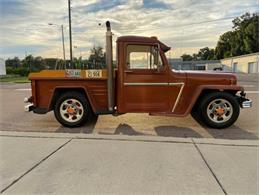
(142, 39)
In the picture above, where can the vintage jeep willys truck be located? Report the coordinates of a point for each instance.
(143, 82)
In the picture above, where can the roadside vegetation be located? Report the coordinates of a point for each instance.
(242, 39)
(14, 79)
(17, 67)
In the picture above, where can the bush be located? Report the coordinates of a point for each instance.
(22, 71)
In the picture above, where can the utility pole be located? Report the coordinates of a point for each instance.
(62, 37)
(71, 60)
(63, 45)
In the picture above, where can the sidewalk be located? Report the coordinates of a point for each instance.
(34, 163)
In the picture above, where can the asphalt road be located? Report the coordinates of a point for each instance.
(13, 118)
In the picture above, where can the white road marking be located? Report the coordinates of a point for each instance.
(248, 85)
(28, 89)
(253, 92)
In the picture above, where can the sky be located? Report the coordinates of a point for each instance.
(184, 25)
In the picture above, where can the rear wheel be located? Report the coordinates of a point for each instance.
(218, 110)
(72, 110)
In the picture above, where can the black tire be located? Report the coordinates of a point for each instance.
(231, 101)
(195, 115)
(87, 113)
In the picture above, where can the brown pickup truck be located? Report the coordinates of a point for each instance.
(143, 82)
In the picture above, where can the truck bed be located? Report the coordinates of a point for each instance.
(47, 84)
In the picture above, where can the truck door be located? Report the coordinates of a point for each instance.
(145, 80)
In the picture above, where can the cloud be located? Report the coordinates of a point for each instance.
(102, 5)
(185, 25)
(153, 4)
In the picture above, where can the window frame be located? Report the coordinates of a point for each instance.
(143, 69)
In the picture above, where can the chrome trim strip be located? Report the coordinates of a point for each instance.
(172, 84)
(179, 95)
(147, 84)
(136, 84)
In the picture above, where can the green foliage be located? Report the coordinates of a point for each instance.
(22, 71)
(14, 79)
(23, 67)
(14, 63)
(243, 39)
(186, 57)
(97, 57)
(206, 54)
(203, 54)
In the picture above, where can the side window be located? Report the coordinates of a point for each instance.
(143, 57)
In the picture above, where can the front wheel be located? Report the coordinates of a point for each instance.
(72, 110)
(218, 110)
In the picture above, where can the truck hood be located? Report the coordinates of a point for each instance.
(211, 78)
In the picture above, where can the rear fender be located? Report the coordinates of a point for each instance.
(60, 90)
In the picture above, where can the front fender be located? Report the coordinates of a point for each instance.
(203, 89)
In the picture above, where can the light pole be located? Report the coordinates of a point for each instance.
(63, 44)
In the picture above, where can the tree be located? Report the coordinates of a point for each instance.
(97, 57)
(223, 47)
(27, 61)
(38, 64)
(203, 54)
(206, 54)
(186, 57)
(50, 63)
(243, 39)
(195, 56)
(13, 63)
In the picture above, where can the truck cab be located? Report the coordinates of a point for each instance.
(143, 82)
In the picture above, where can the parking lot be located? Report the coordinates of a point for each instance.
(128, 154)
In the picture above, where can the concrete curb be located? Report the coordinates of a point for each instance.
(131, 138)
(226, 142)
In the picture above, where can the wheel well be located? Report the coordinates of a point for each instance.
(60, 91)
(207, 91)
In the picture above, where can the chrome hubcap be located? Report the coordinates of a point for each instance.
(219, 110)
(71, 110)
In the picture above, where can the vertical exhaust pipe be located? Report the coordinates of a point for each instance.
(110, 71)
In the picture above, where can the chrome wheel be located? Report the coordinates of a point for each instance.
(219, 110)
(71, 110)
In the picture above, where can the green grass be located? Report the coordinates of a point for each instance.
(12, 79)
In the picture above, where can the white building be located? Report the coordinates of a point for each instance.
(242, 64)
(179, 64)
(2, 67)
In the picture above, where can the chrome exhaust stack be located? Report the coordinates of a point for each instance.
(110, 71)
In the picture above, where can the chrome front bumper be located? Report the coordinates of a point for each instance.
(28, 108)
(244, 102)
